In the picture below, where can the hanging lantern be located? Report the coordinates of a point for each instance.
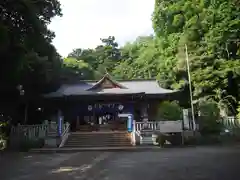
(90, 108)
(120, 107)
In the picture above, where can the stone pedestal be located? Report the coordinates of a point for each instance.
(154, 139)
(52, 141)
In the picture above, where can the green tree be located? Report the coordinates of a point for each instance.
(139, 59)
(74, 69)
(102, 59)
(210, 116)
(238, 113)
(25, 42)
(222, 101)
(211, 31)
(170, 111)
(88, 55)
(27, 56)
(108, 55)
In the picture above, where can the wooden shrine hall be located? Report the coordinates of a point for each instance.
(100, 105)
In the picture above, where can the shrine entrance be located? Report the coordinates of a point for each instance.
(103, 117)
(109, 122)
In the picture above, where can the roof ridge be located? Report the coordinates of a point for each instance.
(95, 81)
(92, 80)
(109, 78)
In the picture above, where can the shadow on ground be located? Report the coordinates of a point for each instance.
(195, 163)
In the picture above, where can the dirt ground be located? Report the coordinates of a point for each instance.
(195, 163)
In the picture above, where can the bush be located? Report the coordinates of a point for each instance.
(170, 111)
(209, 118)
(26, 145)
(3, 141)
(203, 140)
(2, 144)
(174, 139)
(190, 141)
(161, 139)
(238, 111)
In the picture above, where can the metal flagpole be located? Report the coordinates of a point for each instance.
(190, 88)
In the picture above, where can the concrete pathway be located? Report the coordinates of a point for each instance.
(120, 148)
(210, 163)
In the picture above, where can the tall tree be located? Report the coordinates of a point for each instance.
(25, 47)
(102, 59)
(211, 31)
(140, 59)
(27, 56)
(74, 69)
(88, 55)
(108, 55)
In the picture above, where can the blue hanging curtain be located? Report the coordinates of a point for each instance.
(101, 109)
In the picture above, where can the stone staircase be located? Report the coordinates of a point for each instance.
(98, 139)
(105, 127)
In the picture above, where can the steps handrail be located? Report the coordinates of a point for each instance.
(64, 135)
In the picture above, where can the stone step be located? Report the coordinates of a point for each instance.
(104, 145)
(96, 143)
(99, 132)
(104, 149)
(98, 139)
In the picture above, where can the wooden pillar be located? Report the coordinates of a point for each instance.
(144, 112)
(60, 121)
(26, 113)
(153, 110)
(77, 123)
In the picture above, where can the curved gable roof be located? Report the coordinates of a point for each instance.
(149, 87)
(106, 78)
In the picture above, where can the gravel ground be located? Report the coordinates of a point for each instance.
(210, 163)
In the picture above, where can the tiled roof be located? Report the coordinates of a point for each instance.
(133, 87)
(130, 87)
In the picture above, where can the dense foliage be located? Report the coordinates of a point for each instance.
(169, 111)
(209, 28)
(28, 59)
(210, 115)
(27, 56)
(211, 31)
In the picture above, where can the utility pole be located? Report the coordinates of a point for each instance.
(190, 88)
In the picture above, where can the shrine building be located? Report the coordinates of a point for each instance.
(101, 105)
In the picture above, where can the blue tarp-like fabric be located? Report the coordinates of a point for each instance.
(101, 109)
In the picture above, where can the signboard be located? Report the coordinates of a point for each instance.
(124, 115)
(110, 108)
(130, 123)
(104, 107)
(101, 108)
(186, 119)
(170, 126)
(60, 123)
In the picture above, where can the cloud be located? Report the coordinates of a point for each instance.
(84, 22)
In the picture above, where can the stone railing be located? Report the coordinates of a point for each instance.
(231, 122)
(162, 126)
(65, 134)
(35, 131)
(151, 125)
(29, 131)
(145, 132)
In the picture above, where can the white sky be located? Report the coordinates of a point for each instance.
(84, 22)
